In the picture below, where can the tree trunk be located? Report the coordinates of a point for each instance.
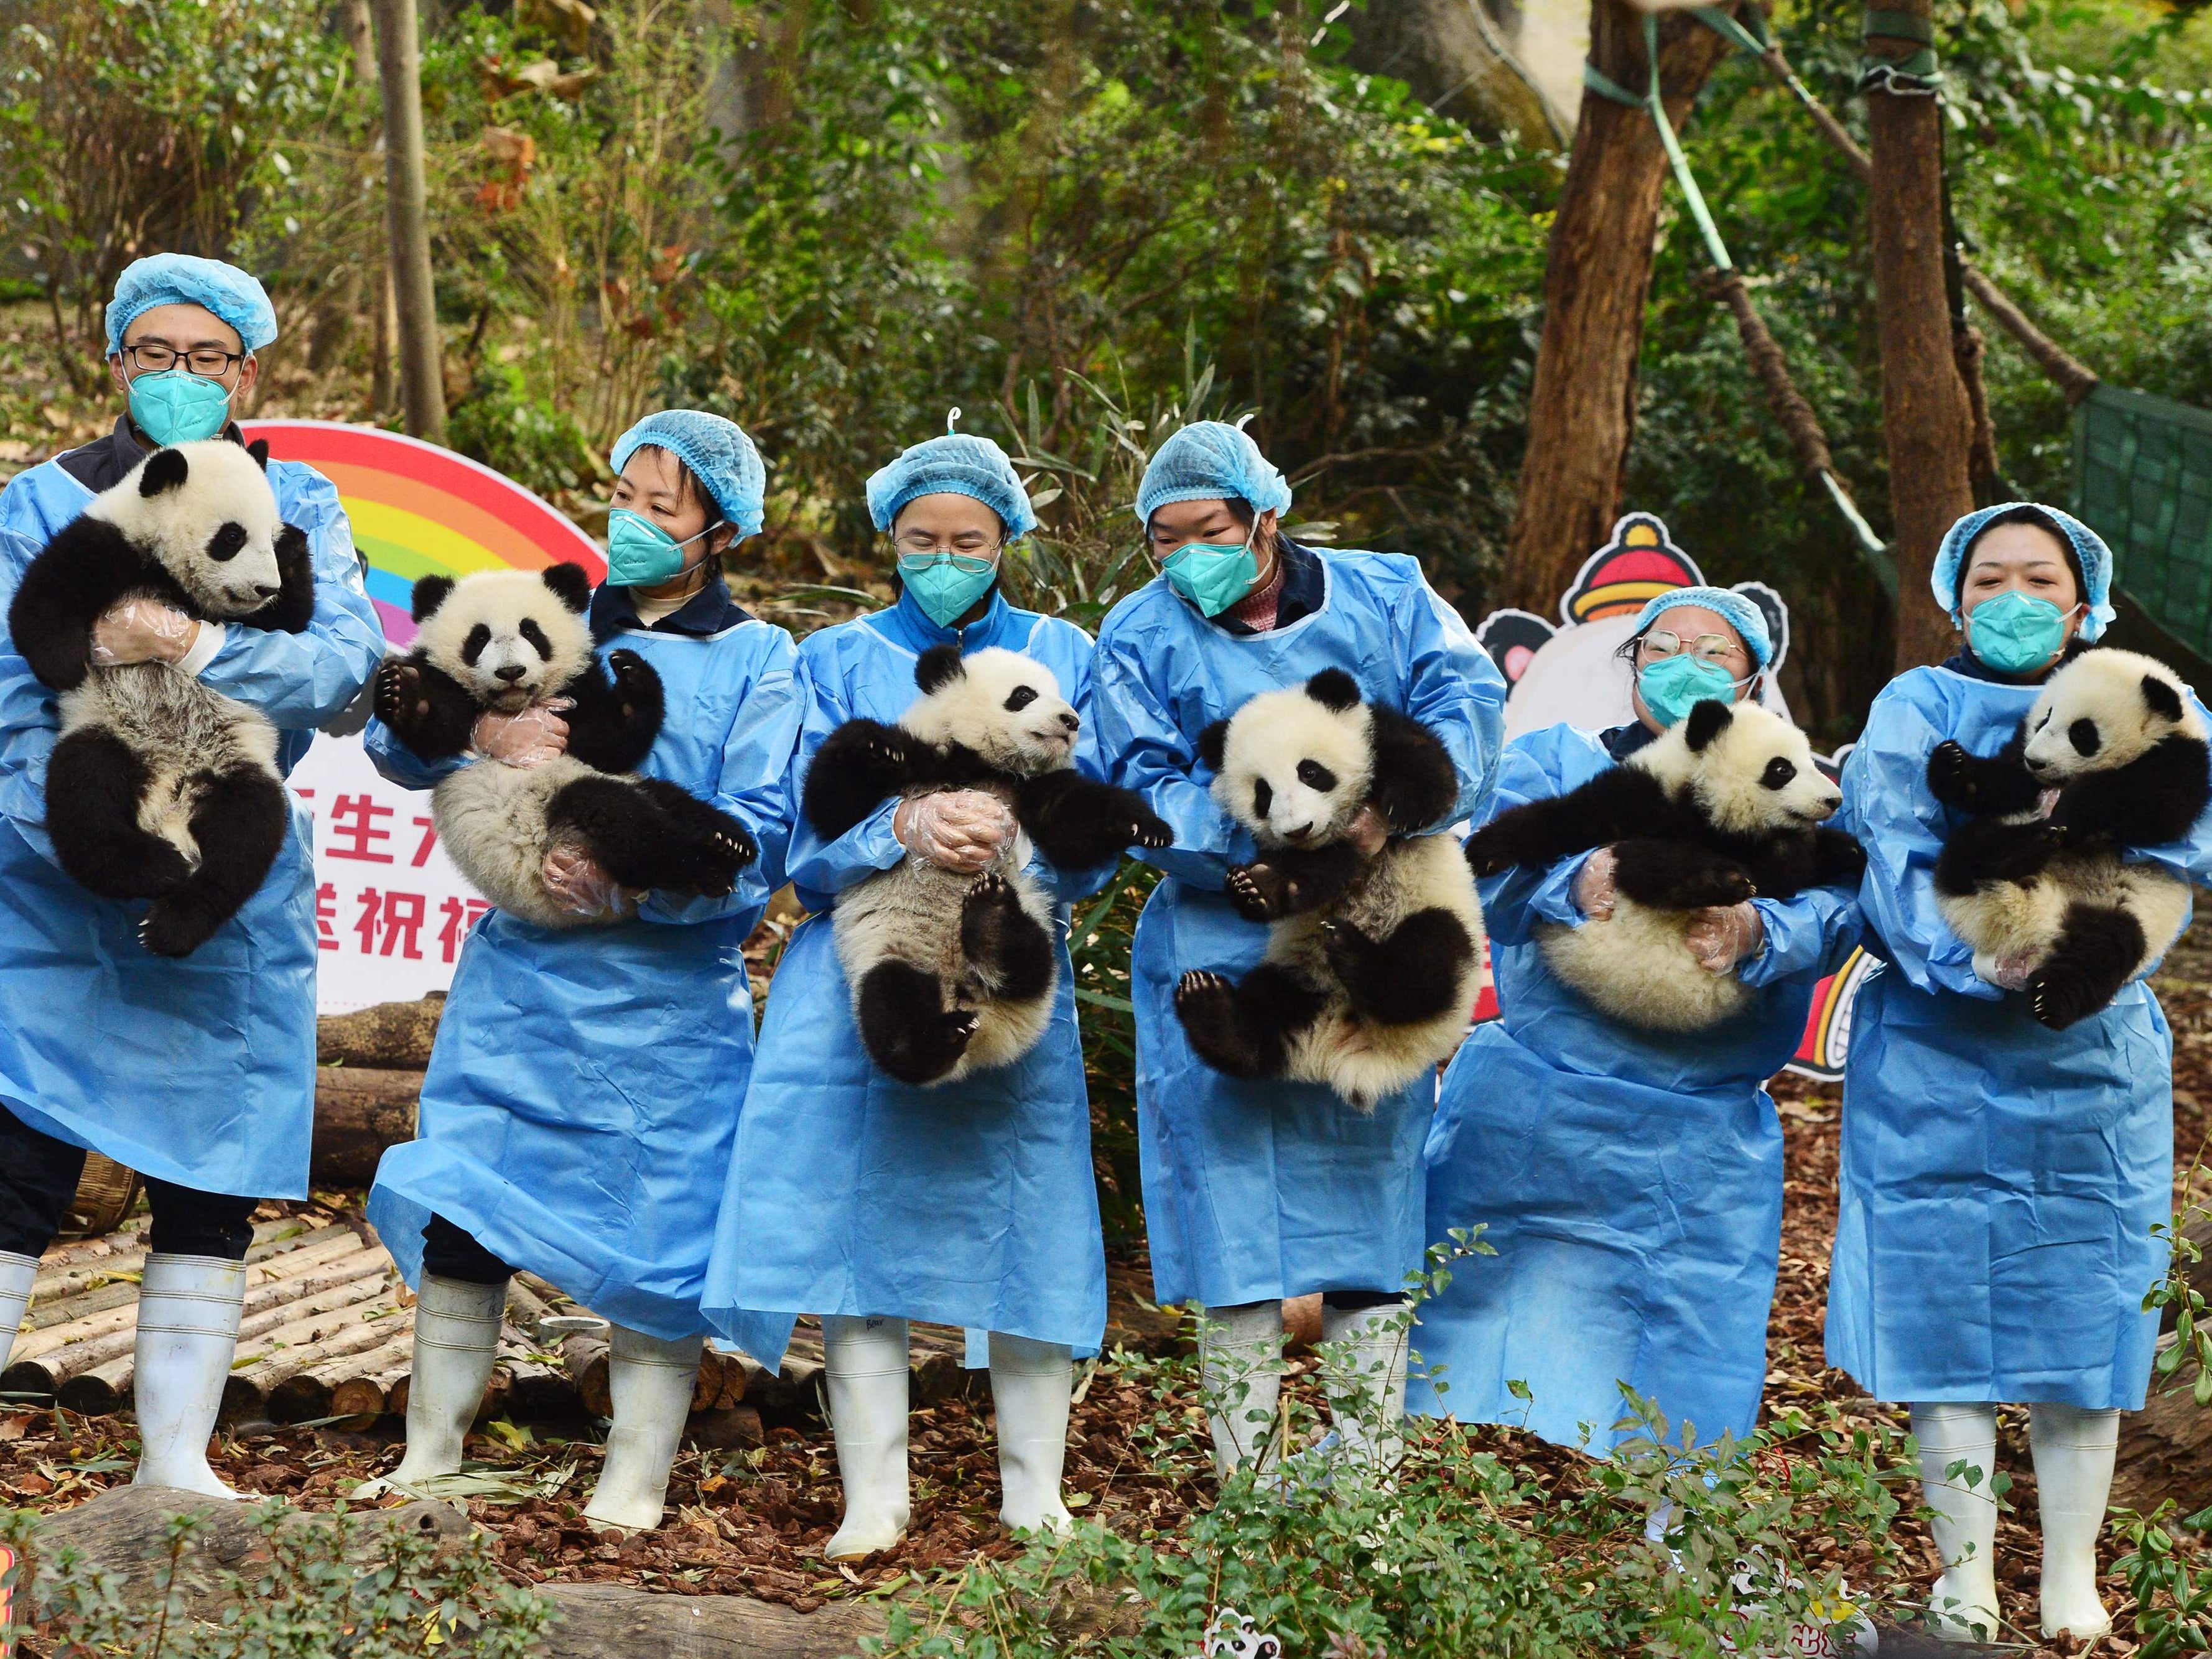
(1454, 57)
(359, 1112)
(1926, 422)
(421, 371)
(360, 35)
(1582, 413)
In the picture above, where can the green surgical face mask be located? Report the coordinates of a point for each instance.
(1212, 576)
(946, 584)
(177, 407)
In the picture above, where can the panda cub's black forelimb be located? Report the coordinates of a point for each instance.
(1245, 1027)
(615, 713)
(1291, 881)
(424, 706)
(861, 765)
(1077, 821)
(293, 608)
(1984, 785)
(1415, 786)
(1411, 975)
(1985, 852)
(1678, 875)
(1619, 803)
(86, 567)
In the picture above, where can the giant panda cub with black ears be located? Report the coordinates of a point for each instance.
(505, 640)
(162, 788)
(1373, 960)
(1725, 805)
(952, 974)
(2112, 755)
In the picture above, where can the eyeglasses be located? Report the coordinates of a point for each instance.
(1706, 647)
(970, 550)
(209, 362)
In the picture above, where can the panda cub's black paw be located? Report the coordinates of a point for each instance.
(1260, 892)
(633, 675)
(1203, 998)
(1151, 830)
(1951, 776)
(402, 699)
(173, 929)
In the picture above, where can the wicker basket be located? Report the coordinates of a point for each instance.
(104, 1193)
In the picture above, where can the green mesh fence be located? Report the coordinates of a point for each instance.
(2142, 480)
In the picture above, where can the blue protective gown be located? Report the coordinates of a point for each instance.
(1999, 1180)
(1630, 1180)
(1255, 1190)
(200, 1071)
(582, 1096)
(972, 1204)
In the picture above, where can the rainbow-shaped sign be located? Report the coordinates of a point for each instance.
(418, 510)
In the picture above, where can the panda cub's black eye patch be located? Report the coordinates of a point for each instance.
(472, 648)
(1020, 698)
(1778, 773)
(2085, 737)
(224, 544)
(1315, 775)
(530, 631)
(1262, 798)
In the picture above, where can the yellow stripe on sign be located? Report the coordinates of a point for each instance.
(438, 548)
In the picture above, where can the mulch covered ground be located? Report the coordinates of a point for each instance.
(751, 1520)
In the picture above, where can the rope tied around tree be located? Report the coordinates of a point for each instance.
(1915, 74)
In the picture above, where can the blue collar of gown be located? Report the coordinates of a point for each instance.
(906, 625)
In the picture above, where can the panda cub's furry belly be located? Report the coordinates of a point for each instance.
(181, 730)
(1637, 965)
(915, 914)
(1366, 1059)
(495, 822)
(2021, 919)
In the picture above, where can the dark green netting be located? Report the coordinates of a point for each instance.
(2142, 480)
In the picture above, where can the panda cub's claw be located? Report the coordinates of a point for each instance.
(400, 700)
(1203, 997)
(1151, 830)
(1951, 775)
(1260, 892)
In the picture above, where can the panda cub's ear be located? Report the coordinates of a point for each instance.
(571, 585)
(937, 667)
(2162, 699)
(259, 450)
(1705, 722)
(1213, 745)
(1334, 689)
(430, 592)
(165, 469)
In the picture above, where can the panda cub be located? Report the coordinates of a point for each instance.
(162, 788)
(506, 640)
(2112, 756)
(953, 974)
(1725, 805)
(1373, 961)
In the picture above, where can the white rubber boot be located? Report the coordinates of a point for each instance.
(188, 1309)
(864, 1364)
(1964, 1518)
(1241, 1362)
(651, 1381)
(1030, 1383)
(456, 1343)
(2074, 1451)
(1367, 1403)
(17, 1274)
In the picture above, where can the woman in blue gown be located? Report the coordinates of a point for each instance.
(1999, 1180)
(870, 1201)
(1630, 1180)
(583, 1097)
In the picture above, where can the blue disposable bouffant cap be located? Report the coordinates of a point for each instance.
(718, 452)
(181, 279)
(1747, 618)
(2089, 550)
(953, 464)
(1211, 460)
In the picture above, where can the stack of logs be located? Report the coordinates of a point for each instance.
(368, 1081)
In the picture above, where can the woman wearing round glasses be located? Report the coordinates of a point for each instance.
(1630, 1179)
(871, 1201)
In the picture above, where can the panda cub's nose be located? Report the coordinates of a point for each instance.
(511, 672)
(1071, 721)
(263, 590)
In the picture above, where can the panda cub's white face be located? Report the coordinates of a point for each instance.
(1294, 771)
(1005, 706)
(507, 637)
(1749, 769)
(2103, 710)
(211, 522)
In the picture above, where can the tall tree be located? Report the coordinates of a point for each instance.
(1927, 425)
(1582, 412)
(423, 390)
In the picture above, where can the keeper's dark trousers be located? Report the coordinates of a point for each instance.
(39, 1176)
(450, 1253)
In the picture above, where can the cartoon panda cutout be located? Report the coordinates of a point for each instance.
(950, 973)
(507, 641)
(2112, 757)
(160, 788)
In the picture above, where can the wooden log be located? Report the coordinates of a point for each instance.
(726, 1429)
(392, 1036)
(585, 1358)
(359, 1112)
(362, 1397)
(71, 1273)
(707, 1386)
(498, 1390)
(295, 1347)
(366, 1281)
(313, 1393)
(524, 1309)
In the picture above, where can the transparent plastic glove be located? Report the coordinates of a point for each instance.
(1594, 889)
(2007, 973)
(529, 738)
(960, 830)
(583, 888)
(1722, 935)
(1368, 830)
(142, 631)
